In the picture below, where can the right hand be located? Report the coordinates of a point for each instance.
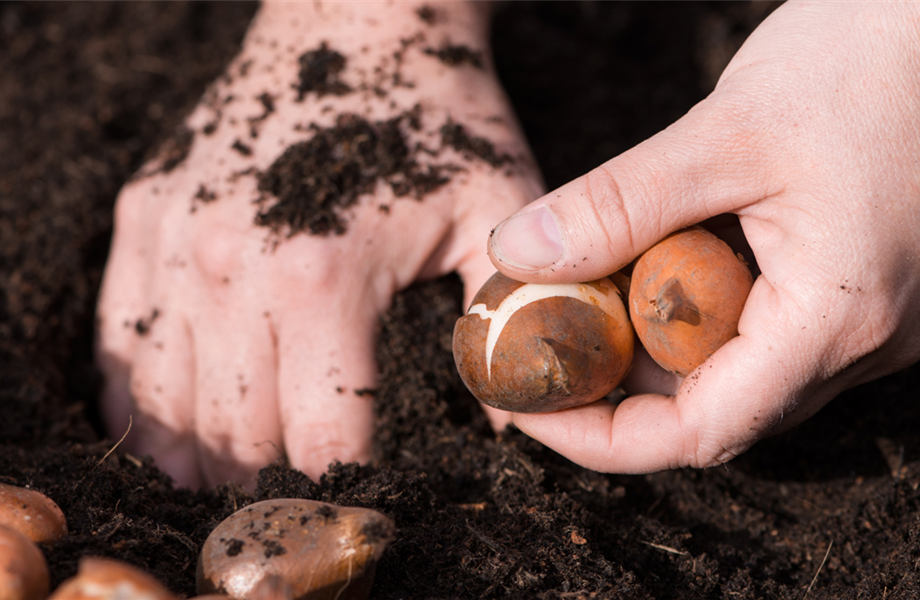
(811, 138)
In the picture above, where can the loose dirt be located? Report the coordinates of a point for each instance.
(87, 91)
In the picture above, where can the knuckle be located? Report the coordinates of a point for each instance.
(153, 403)
(628, 200)
(319, 446)
(606, 204)
(130, 207)
(878, 345)
(116, 339)
(862, 326)
(708, 442)
(714, 452)
(313, 267)
(218, 251)
(743, 129)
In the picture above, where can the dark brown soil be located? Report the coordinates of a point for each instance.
(310, 186)
(452, 55)
(829, 510)
(319, 72)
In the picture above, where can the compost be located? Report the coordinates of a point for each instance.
(89, 91)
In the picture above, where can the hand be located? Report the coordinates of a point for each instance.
(811, 139)
(230, 343)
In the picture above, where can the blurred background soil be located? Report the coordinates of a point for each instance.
(87, 90)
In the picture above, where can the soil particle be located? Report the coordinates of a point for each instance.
(320, 72)
(234, 546)
(272, 548)
(427, 14)
(242, 148)
(454, 56)
(396, 79)
(268, 107)
(327, 513)
(143, 325)
(377, 531)
(203, 195)
(171, 153)
(457, 137)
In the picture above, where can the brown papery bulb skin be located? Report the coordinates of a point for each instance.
(23, 570)
(107, 579)
(297, 549)
(541, 348)
(686, 296)
(31, 513)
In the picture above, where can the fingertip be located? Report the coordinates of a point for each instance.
(499, 419)
(529, 240)
(323, 445)
(328, 425)
(326, 379)
(561, 238)
(647, 376)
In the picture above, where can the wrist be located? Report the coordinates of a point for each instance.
(360, 25)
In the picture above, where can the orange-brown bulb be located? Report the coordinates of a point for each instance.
(31, 513)
(686, 296)
(23, 570)
(108, 579)
(540, 348)
(291, 548)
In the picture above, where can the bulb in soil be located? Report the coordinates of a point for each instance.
(686, 297)
(300, 549)
(528, 347)
(31, 513)
(107, 579)
(23, 570)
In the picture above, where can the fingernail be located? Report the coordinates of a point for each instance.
(529, 240)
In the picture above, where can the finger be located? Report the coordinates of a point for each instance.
(326, 375)
(236, 419)
(474, 265)
(709, 162)
(646, 376)
(162, 386)
(499, 419)
(474, 224)
(475, 221)
(121, 306)
(758, 383)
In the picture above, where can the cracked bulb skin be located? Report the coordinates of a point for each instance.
(540, 348)
(685, 298)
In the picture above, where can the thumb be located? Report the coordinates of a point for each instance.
(709, 162)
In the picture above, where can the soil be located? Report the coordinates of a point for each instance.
(313, 182)
(87, 91)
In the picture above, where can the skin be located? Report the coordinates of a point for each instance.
(813, 123)
(810, 138)
(257, 349)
